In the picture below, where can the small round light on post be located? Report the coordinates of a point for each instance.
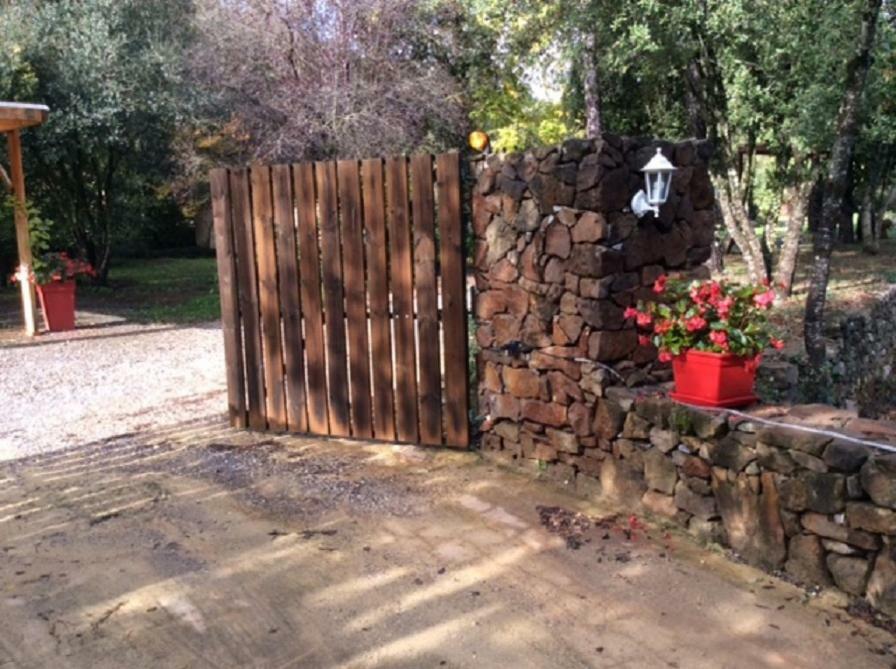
(478, 140)
(657, 179)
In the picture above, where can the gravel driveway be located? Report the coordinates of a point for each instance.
(72, 388)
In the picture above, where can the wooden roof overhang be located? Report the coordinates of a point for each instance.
(17, 115)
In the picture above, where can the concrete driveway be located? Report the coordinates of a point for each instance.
(199, 546)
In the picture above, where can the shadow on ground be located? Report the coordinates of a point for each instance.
(201, 546)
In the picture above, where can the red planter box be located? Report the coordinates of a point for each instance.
(714, 379)
(57, 299)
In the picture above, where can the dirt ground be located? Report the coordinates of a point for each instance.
(199, 546)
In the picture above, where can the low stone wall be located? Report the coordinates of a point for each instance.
(821, 508)
(866, 357)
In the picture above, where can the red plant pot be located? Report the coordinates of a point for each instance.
(57, 299)
(714, 379)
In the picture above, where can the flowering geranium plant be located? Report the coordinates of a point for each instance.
(50, 267)
(712, 316)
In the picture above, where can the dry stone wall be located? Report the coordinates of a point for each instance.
(820, 508)
(558, 257)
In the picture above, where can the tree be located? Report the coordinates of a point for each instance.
(312, 80)
(110, 72)
(838, 180)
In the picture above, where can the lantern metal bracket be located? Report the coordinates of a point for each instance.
(640, 206)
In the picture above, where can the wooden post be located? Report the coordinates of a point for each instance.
(23, 237)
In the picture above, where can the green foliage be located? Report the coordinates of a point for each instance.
(110, 72)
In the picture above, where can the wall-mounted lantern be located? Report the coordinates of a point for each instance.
(657, 179)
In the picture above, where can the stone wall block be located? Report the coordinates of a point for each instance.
(812, 491)
(784, 437)
(522, 383)
(806, 560)
(660, 472)
(732, 451)
(752, 519)
(545, 413)
(594, 261)
(845, 456)
(823, 526)
(612, 345)
(774, 459)
(609, 418)
(601, 314)
(865, 516)
(697, 505)
(664, 440)
(635, 427)
(557, 240)
(622, 482)
(878, 477)
(882, 584)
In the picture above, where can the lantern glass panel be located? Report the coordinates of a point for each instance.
(665, 182)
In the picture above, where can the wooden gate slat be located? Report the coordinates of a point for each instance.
(229, 290)
(355, 297)
(312, 308)
(454, 325)
(402, 282)
(266, 257)
(290, 305)
(430, 388)
(378, 289)
(248, 293)
(334, 307)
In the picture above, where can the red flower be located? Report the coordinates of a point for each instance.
(724, 307)
(719, 338)
(777, 343)
(695, 323)
(662, 327)
(644, 320)
(665, 356)
(660, 284)
(630, 312)
(643, 340)
(764, 300)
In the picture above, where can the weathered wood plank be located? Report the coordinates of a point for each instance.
(229, 291)
(378, 289)
(334, 307)
(402, 282)
(268, 298)
(248, 293)
(454, 316)
(290, 304)
(355, 297)
(312, 308)
(430, 388)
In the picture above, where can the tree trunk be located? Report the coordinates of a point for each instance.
(591, 88)
(837, 182)
(693, 95)
(740, 226)
(816, 202)
(790, 247)
(847, 229)
(869, 239)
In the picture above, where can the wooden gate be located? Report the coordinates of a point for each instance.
(342, 298)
